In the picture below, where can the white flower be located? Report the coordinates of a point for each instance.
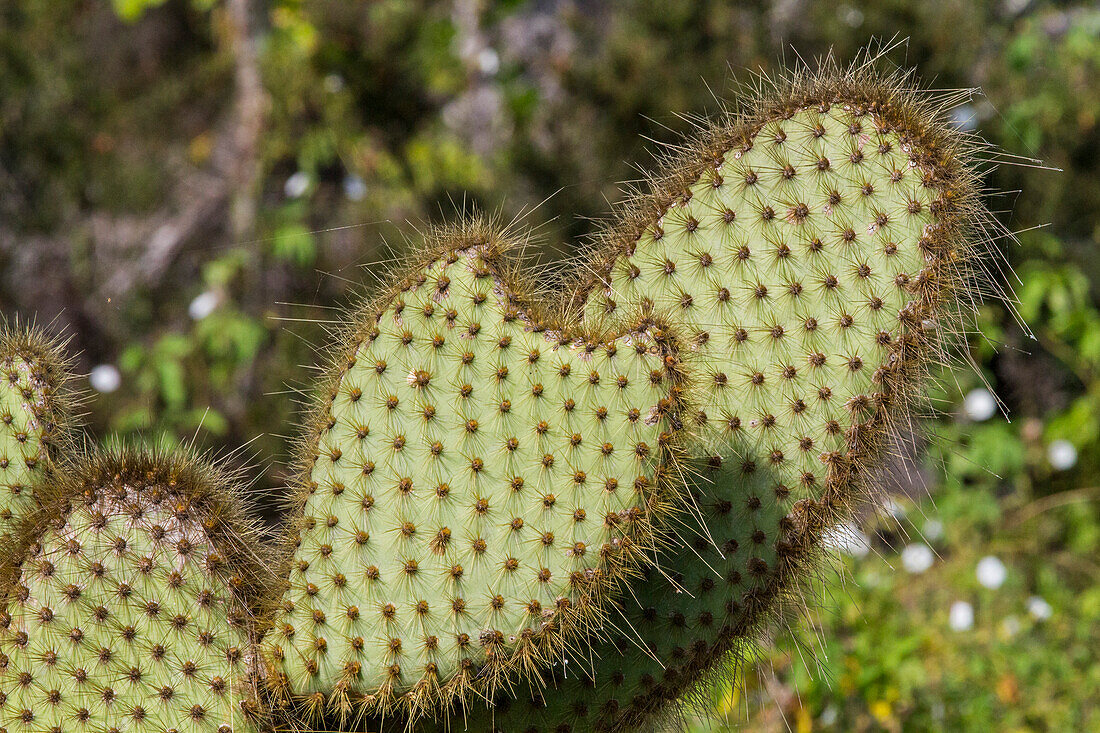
(933, 530)
(961, 617)
(488, 62)
(828, 715)
(850, 16)
(991, 572)
(355, 188)
(847, 538)
(203, 305)
(334, 83)
(965, 117)
(1010, 626)
(1062, 455)
(1039, 608)
(917, 558)
(979, 404)
(296, 185)
(105, 378)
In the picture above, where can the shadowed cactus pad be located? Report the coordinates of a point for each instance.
(127, 613)
(32, 402)
(479, 480)
(813, 253)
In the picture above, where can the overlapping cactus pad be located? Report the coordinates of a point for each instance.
(480, 479)
(127, 612)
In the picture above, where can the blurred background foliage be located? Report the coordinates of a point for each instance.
(189, 187)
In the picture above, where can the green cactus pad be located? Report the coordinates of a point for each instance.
(813, 252)
(795, 264)
(128, 613)
(33, 401)
(479, 478)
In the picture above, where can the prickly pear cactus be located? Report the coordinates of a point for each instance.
(128, 611)
(507, 519)
(812, 251)
(479, 478)
(33, 402)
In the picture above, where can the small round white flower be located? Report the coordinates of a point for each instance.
(852, 17)
(1010, 626)
(488, 61)
(848, 539)
(1062, 455)
(961, 616)
(917, 558)
(105, 378)
(334, 83)
(355, 188)
(829, 715)
(991, 572)
(1039, 608)
(296, 185)
(933, 530)
(979, 404)
(965, 117)
(203, 305)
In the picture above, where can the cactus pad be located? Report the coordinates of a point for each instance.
(796, 264)
(32, 402)
(478, 480)
(812, 253)
(127, 613)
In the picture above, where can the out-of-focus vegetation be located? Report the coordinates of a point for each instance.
(182, 180)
